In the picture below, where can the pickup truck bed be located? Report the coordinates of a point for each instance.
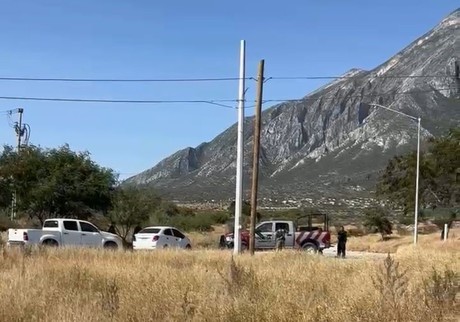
(31, 236)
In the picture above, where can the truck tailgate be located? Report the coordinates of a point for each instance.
(16, 236)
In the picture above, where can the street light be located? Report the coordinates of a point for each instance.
(418, 119)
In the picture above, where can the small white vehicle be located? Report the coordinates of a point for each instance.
(65, 232)
(156, 237)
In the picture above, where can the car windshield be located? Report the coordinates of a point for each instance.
(149, 231)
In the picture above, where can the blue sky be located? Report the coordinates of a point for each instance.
(181, 39)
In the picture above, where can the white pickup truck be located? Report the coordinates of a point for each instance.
(65, 232)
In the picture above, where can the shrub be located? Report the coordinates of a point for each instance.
(376, 218)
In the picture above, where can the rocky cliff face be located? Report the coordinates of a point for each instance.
(332, 142)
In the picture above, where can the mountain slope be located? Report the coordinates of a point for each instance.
(331, 142)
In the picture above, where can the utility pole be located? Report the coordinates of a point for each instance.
(417, 175)
(239, 154)
(18, 127)
(256, 152)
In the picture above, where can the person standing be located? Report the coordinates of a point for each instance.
(341, 242)
(280, 238)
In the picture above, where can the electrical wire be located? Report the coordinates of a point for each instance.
(216, 102)
(26, 133)
(84, 100)
(147, 80)
(216, 79)
(307, 98)
(357, 76)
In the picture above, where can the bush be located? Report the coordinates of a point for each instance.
(376, 218)
(6, 223)
(189, 222)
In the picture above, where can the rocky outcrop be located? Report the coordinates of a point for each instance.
(331, 141)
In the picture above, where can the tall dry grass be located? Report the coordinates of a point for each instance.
(395, 242)
(92, 285)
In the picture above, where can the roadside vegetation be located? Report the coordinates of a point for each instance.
(92, 285)
(206, 284)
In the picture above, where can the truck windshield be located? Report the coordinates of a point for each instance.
(50, 224)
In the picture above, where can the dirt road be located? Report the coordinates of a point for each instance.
(332, 252)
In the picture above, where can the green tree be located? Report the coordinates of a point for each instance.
(132, 206)
(376, 219)
(56, 182)
(439, 183)
(246, 212)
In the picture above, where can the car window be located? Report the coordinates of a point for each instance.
(70, 225)
(149, 231)
(51, 224)
(282, 225)
(168, 232)
(88, 227)
(178, 233)
(265, 228)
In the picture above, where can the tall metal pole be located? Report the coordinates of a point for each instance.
(417, 175)
(256, 152)
(239, 156)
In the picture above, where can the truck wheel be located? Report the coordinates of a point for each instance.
(111, 246)
(50, 243)
(310, 248)
(188, 247)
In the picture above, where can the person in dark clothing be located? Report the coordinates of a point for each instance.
(222, 242)
(112, 229)
(280, 238)
(136, 230)
(341, 242)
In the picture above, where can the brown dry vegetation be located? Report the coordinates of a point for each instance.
(395, 242)
(92, 285)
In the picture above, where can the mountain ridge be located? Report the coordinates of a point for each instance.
(312, 140)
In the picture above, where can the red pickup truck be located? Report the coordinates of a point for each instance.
(308, 238)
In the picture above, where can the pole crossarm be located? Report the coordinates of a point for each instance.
(395, 111)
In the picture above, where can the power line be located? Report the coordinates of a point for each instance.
(37, 79)
(307, 98)
(357, 76)
(216, 102)
(216, 79)
(84, 100)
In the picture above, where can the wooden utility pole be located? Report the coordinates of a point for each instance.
(256, 152)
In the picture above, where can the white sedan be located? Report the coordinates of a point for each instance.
(160, 237)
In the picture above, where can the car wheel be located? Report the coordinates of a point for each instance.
(310, 248)
(50, 243)
(110, 246)
(188, 247)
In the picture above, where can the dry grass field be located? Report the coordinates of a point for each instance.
(206, 285)
(395, 243)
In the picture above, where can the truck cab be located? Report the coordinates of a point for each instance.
(265, 233)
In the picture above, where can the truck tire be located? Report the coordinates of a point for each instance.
(50, 243)
(188, 247)
(111, 245)
(310, 247)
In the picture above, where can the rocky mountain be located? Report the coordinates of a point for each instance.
(332, 143)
